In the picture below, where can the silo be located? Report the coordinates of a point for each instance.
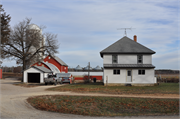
(78, 68)
(97, 68)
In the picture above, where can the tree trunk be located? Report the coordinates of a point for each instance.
(24, 67)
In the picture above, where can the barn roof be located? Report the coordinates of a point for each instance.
(59, 60)
(126, 46)
(53, 68)
(43, 69)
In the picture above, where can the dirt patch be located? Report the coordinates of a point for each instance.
(28, 85)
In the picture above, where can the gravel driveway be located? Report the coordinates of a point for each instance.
(13, 104)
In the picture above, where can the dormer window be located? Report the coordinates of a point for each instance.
(114, 59)
(139, 59)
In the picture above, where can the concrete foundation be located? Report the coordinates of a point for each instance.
(123, 84)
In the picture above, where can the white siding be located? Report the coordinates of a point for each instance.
(46, 75)
(107, 59)
(148, 78)
(147, 59)
(127, 59)
(32, 70)
(86, 73)
(111, 78)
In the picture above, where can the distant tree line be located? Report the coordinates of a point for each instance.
(84, 70)
(12, 69)
(166, 71)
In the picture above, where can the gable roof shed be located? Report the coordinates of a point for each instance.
(126, 46)
(42, 69)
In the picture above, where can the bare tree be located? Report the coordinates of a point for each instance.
(18, 69)
(27, 45)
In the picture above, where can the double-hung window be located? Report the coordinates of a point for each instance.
(116, 71)
(139, 59)
(141, 72)
(114, 59)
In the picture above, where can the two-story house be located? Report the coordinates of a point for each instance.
(128, 62)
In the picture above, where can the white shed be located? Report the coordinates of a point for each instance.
(35, 74)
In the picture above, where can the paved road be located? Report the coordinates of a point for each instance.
(13, 104)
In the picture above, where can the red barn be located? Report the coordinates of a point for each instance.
(53, 63)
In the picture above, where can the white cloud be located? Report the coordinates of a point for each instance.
(74, 58)
(85, 28)
(166, 60)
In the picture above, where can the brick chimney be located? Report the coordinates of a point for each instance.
(135, 38)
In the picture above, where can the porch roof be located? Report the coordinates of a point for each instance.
(128, 66)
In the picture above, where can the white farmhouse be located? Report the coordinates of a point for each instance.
(128, 62)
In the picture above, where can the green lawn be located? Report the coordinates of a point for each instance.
(105, 106)
(163, 88)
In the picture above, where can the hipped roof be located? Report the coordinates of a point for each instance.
(126, 46)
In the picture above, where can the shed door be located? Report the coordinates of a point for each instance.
(129, 76)
(33, 77)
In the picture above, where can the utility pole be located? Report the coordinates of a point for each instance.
(88, 70)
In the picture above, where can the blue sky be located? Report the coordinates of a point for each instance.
(86, 27)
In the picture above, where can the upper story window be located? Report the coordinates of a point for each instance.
(114, 59)
(139, 59)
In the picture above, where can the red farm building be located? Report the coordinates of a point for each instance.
(53, 63)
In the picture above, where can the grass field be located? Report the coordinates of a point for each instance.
(170, 78)
(105, 106)
(163, 88)
(176, 76)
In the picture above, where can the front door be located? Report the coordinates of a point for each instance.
(129, 76)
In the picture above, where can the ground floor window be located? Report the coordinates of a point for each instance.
(116, 71)
(141, 72)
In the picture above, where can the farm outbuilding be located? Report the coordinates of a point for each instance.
(97, 68)
(81, 76)
(87, 68)
(38, 71)
(35, 74)
(78, 68)
(53, 63)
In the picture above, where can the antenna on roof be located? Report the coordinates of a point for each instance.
(125, 30)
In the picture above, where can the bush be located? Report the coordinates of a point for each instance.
(168, 80)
